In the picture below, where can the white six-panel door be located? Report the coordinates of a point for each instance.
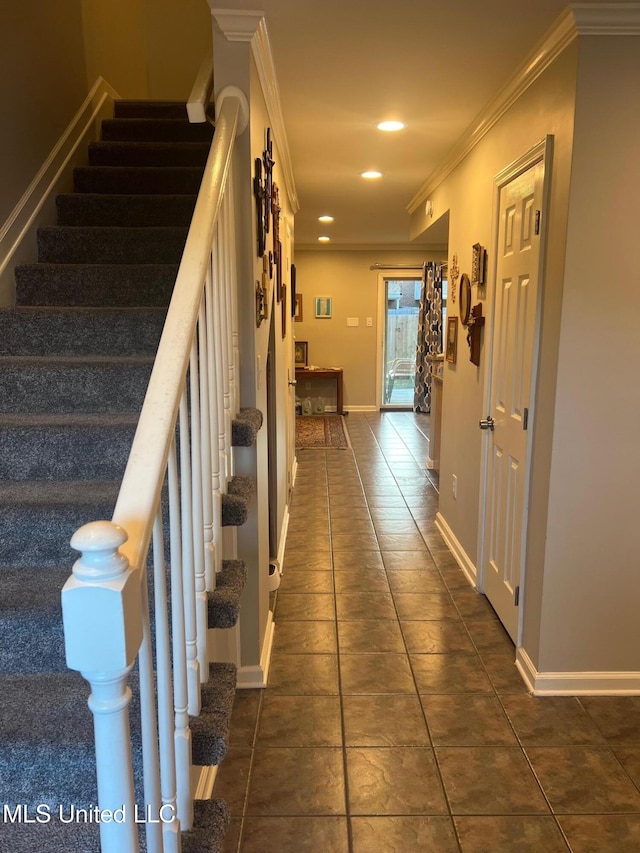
(514, 331)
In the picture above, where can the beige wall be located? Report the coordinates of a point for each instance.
(42, 84)
(116, 45)
(547, 107)
(592, 582)
(346, 277)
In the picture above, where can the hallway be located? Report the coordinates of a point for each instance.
(395, 720)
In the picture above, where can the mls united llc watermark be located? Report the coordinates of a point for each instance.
(45, 813)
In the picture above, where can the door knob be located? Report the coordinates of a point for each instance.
(487, 423)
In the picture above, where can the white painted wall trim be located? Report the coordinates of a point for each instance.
(462, 558)
(284, 528)
(248, 26)
(360, 409)
(294, 471)
(576, 683)
(257, 676)
(592, 19)
(37, 205)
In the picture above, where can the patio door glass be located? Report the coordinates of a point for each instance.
(402, 303)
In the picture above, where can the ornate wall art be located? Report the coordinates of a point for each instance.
(269, 163)
(452, 340)
(454, 273)
(284, 310)
(479, 265)
(259, 195)
(474, 337)
(261, 304)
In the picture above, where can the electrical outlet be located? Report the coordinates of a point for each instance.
(454, 487)
(369, 321)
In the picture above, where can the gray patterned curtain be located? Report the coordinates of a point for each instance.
(429, 334)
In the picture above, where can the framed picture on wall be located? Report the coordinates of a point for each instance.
(323, 307)
(452, 339)
(297, 313)
(301, 353)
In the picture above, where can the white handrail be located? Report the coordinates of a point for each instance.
(201, 92)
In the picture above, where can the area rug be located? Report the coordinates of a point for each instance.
(319, 431)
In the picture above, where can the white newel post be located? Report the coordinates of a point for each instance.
(102, 614)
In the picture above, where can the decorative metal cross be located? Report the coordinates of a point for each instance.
(454, 275)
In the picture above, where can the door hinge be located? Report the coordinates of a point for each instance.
(538, 217)
(516, 597)
(525, 419)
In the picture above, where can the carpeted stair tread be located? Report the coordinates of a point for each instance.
(244, 487)
(224, 600)
(156, 129)
(109, 244)
(148, 180)
(210, 730)
(130, 153)
(125, 209)
(65, 446)
(73, 383)
(211, 821)
(42, 331)
(245, 427)
(131, 108)
(60, 508)
(41, 650)
(95, 285)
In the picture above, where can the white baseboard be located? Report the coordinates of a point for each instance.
(348, 409)
(432, 464)
(37, 205)
(294, 471)
(283, 538)
(462, 558)
(202, 781)
(250, 677)
(576, 683)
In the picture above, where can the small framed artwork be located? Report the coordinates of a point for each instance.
(452, 339)
(301, 353)
(297, 315)
(323, 307)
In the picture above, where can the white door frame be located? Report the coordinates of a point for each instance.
(542, 152)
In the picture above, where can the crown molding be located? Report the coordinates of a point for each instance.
(578, 19)
(251, 27)
(606, 19)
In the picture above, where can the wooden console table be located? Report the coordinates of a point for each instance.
(305, 373)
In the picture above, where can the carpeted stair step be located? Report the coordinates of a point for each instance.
(62, 244)
(46, 729)
(65, 447)
(245, 427)
(80, 331)
(211, 821)
(73, 384)
(100, 285)
(155, 130)
(235, 503)
(210, 730)
(38, 518)
(149, 180)
(31, 637)
(125, 210)
(150, 109)
(224, 600)
(148, 153)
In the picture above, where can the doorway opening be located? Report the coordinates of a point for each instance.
(401, 306)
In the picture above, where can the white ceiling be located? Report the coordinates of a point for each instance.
(344, 65)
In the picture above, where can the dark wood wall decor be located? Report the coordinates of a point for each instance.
(474, 333)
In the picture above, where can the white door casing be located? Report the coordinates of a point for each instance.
(521, 196)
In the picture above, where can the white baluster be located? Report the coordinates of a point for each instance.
(188, 578)
(182, 736)
(205, 432)
(197, 530)
(101, 607)
(166, 721)
(235, 339)
(214, 413)
(218, 315)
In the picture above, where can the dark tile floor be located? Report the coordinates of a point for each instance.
(395, 719)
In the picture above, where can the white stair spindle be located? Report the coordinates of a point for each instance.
(166, 721)
(101, 607)
(205, 432)
(182, 736)
(188, 566)
(197, 531)
(214, 413)
(218, 316)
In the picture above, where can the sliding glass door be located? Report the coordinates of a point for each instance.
(401, 307)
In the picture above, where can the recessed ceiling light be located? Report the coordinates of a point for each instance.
(323, 239)
(325, 219)
(371, 175)
(390, 126)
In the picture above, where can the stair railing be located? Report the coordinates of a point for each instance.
(167, 517)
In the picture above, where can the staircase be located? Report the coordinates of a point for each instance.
(75, 358)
